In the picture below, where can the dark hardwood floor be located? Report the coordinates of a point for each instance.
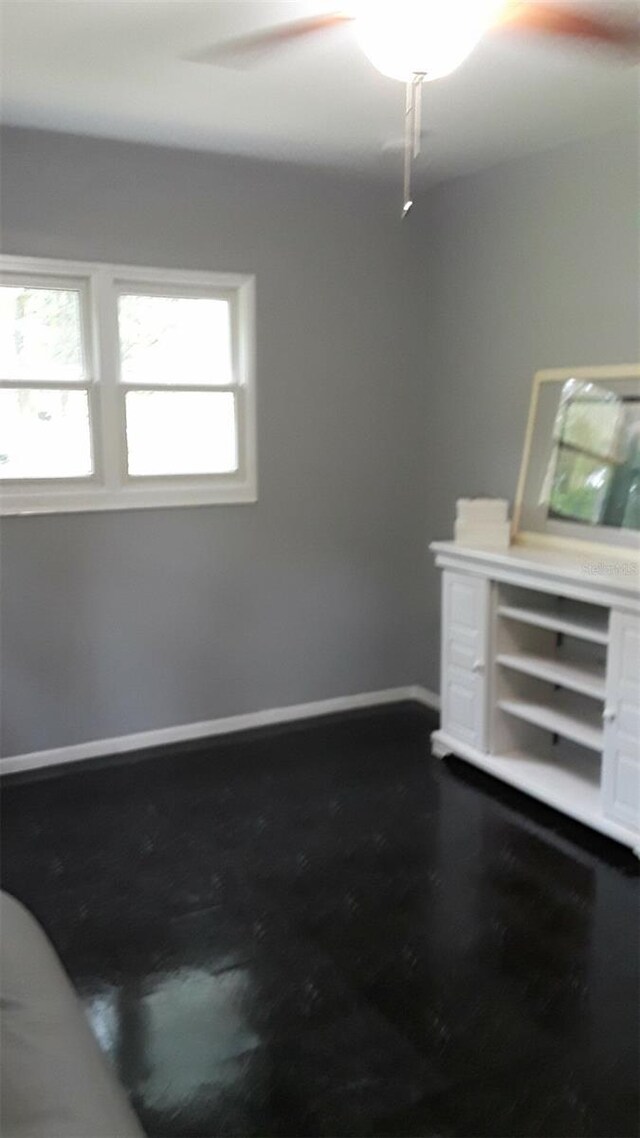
(320, 930)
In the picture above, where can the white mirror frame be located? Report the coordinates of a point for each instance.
(553, 541)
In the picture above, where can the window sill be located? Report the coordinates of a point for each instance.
(129, 498)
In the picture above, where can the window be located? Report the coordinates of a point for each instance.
(124, 387)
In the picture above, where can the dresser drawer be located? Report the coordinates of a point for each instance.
(621, 758)
(464, 620)
(464, 641)
(463, 699)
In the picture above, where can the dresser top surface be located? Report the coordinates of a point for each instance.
(603, 571)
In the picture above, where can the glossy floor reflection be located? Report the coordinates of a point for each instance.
(322, 931)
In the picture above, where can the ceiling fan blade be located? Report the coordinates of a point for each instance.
(570, 23)
(243, 50)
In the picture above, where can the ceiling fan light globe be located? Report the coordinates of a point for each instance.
(422, 37)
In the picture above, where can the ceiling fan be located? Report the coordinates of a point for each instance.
(417, 41)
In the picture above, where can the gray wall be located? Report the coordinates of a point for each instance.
(529, 265)
(394, 367)
(119, 622)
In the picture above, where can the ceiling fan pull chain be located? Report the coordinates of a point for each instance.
(412, 134)
(409, 128)
(418, 81)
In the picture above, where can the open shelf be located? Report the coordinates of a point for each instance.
(584, 676)
(593, 627)
(571, 782)
(562, 776)
(557, 769)
(561, 716)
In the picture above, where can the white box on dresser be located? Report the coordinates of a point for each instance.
(541, 677)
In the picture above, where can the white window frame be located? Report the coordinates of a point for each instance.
(110, 487)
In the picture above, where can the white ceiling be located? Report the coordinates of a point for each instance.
(115, 68)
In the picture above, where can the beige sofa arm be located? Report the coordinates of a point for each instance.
(55, 1082)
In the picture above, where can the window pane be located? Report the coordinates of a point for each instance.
(183, 432)
(580, 486)
(594, 426)
(44, 434)
(173, 339)
(40, 334)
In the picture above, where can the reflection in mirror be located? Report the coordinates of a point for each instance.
(580, 477)
(594, 471)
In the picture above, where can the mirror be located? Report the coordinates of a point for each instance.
(580, 475)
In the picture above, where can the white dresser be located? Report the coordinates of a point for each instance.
(541, 677)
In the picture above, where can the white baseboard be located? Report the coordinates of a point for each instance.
(427, 698)
(142, 740)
